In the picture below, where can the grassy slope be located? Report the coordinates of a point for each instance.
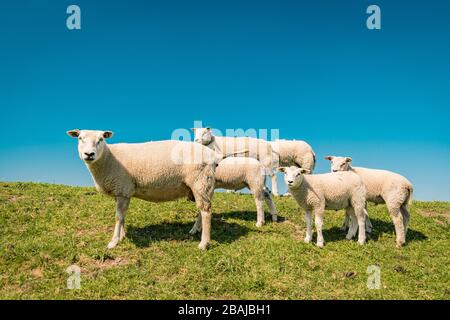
(46, 228)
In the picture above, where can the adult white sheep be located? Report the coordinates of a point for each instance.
(317, 192)
(382, 187)
(238, 173)
(153, 171)
(291, 153)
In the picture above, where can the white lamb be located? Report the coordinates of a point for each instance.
(315, 193)
(291, 153)
(153, 171)
(382, 187)
(257, 148)
(239, 173)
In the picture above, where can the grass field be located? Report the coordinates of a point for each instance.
(46, 228)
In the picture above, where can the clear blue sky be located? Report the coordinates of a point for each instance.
(308, 68)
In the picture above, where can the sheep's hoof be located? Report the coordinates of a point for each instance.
(307, 239)
(349, 237)
(203, 245)
(320, 244)
(276, 194)
(274, 218)
(112, 243)
(400, 244)
(361, 242)
(259, 224)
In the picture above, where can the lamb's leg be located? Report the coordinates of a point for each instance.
(308, 236)
(361, 217)
(406, 217)
(274, 185)
(397, 218)
(318, 215)
(271, 205)
(353, 226)
(197, 225)
(345, 225)
(368, 223)
(119, 229)
(260, 220)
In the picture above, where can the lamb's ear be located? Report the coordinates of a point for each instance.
(193, 129)
(348, 159)
(282, 169)
(329, 158)
(208, 128)
(107, 134)
(73, 133)
(302, 170)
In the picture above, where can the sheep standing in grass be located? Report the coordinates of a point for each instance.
(382, 187)
(239, 173)
(315, 193)
(292, 153)
(153, 171)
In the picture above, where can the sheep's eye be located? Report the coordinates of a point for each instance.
(100, 140)
(80, 138)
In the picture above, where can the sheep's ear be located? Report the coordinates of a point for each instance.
(348, 159)
(329, 158)
(107, 134)
(193, 129)
(282, 169)
(208, 128)
(304, 170)
(73, 133)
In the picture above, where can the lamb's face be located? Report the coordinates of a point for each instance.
(202, 135)
(339, 163)
(91, 143)
(293, 176)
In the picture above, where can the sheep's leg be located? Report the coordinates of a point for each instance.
(352, 224)
(397, 218)
(406, 217)
(274, 185)
(308, 236)
(318, 219)
(119, 229)
(203, 192)
(361, 217)
(197, 225)
(345, 225)
(271, 205)
(260, 220)
(206, 230)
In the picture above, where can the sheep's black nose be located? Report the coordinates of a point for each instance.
(334, 170)
(290, 181)
(90, 155)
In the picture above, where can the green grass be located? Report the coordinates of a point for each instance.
(46, 228)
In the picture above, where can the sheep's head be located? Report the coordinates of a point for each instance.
(293, 176)
(203, 135)
(91, 143)
(339, 163)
